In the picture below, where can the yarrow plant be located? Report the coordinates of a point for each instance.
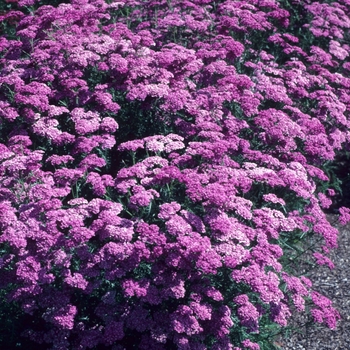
(160, 164)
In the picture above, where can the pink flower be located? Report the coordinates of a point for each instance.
(320, 56)
(135, 288)
(211, 292)
(91, 162)
(167, 210)
(76, 280)
(266, 284)
(298, 290)
(64, 317)
(325, 202)
(201, 311)
(58, 160)
(247, 313)
(109, 125)
(28, 269)
(84, 145)
(323, 260)
(85, 122)
(131, 145)
(336, 50)
(250, 345)
(273, 198)
(344, 217)
(142, 197)
(193, 220)
(324, 311)
(117, 62)
(280, 313)
(183, 321)
(47, 127)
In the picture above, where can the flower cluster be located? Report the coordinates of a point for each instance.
(156, 165)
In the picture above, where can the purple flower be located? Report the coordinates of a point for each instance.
(184, 321)
(280, 313)
(28, 269)
(64, 317)
(85, 122)
(76, 280)
(266, 284)
(58, 160)
(323, 260)
(142, 197)
(168, 210)
(324, 311)
(193, 220)
(298, 290)
(248, 313)
(273, 198)
(213, 93)
(344, 217)
(250, 345)
(131, 145)
(324, 200)
(117, 62)
(113, 332)
(97, 184)
(91, 162)
(109, 125)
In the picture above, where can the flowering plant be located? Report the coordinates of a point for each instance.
(160, 162)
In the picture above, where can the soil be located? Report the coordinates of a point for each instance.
(334, 284)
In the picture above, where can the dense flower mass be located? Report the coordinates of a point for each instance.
(159, 160)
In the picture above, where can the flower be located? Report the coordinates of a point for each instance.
(344, 217)
(250, 345)
(85, 122)
(324, 311)
(183, 321)
(247, 313)
(113, 332)
(64, 317)
(76, 280)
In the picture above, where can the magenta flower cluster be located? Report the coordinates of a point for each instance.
(182, 243)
